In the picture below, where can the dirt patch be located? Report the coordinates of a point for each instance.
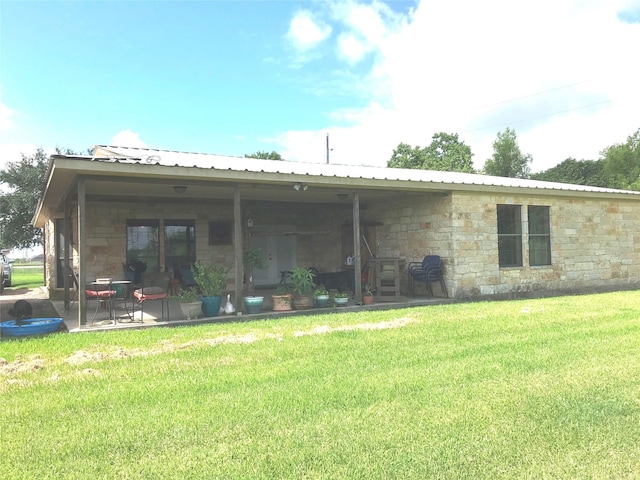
(21, 364)
(400, 322)
(36, 362)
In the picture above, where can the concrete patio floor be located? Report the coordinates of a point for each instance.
(153, 312)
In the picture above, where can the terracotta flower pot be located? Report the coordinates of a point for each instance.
(281, 302)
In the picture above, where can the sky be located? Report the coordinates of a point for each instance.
(237, 77)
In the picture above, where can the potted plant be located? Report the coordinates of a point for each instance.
(282, 299)
(253, 258)
(302, 284)
(321, 296)
(211, 281)
(368, 295)
(340, 299)
(190, 303)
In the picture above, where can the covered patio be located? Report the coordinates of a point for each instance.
(94, 208)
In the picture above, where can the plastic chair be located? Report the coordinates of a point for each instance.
(430, 270)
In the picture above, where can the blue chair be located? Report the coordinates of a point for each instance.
(430, 270)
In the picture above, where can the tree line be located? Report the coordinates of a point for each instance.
(618, 167)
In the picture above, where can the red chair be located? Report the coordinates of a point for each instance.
(102, 293)
(155, 287)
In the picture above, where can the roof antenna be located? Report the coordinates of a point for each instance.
(328, 149)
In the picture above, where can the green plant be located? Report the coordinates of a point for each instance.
(368, 290)
(186, 295)
(302, 281)
(321, 290)
(211, 279)
(253, 258)
(341, 295)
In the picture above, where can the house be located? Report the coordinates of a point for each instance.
(499, 237)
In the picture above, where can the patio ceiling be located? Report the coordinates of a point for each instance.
(153, 184)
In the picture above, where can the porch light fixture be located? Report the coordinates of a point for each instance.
(300, 186)
(179, 188)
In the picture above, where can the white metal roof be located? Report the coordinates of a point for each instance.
(220, 162)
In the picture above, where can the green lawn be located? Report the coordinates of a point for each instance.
(544, 388)
(26, 276)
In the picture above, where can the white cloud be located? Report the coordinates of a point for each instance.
(557, 71)
(305, 32)
(6, 115)
(12, 152)
(127, 138)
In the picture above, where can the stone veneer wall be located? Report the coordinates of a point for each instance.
(594, 244)
(413, 227)
(320, 244)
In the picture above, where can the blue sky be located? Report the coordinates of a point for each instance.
(234, 77)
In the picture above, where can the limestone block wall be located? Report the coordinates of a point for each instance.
(595, 243)
(593, 246)
(317, 230)
(413, 227)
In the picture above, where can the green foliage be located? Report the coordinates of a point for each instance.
(25, 181)
(254, 258)
(445, 153)
(320, 290)
(405, 156)
(622, 163)
(265, 155)
(507, 159)
(211, 279)
(577, 172)
(302, 281)
(367, 289)
(187, 295)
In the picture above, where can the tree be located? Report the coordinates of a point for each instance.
(577, 172)
(445, 153)
(507, 159)
(24, 181)
(404, 156)
(264, 155)
(622, 163)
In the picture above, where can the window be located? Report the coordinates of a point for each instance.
(509, 236)
(143, 243)
(179, 243)
(220, 233)
(539, 236)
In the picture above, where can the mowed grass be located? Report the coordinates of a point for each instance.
(545, 388)
(26, 276)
